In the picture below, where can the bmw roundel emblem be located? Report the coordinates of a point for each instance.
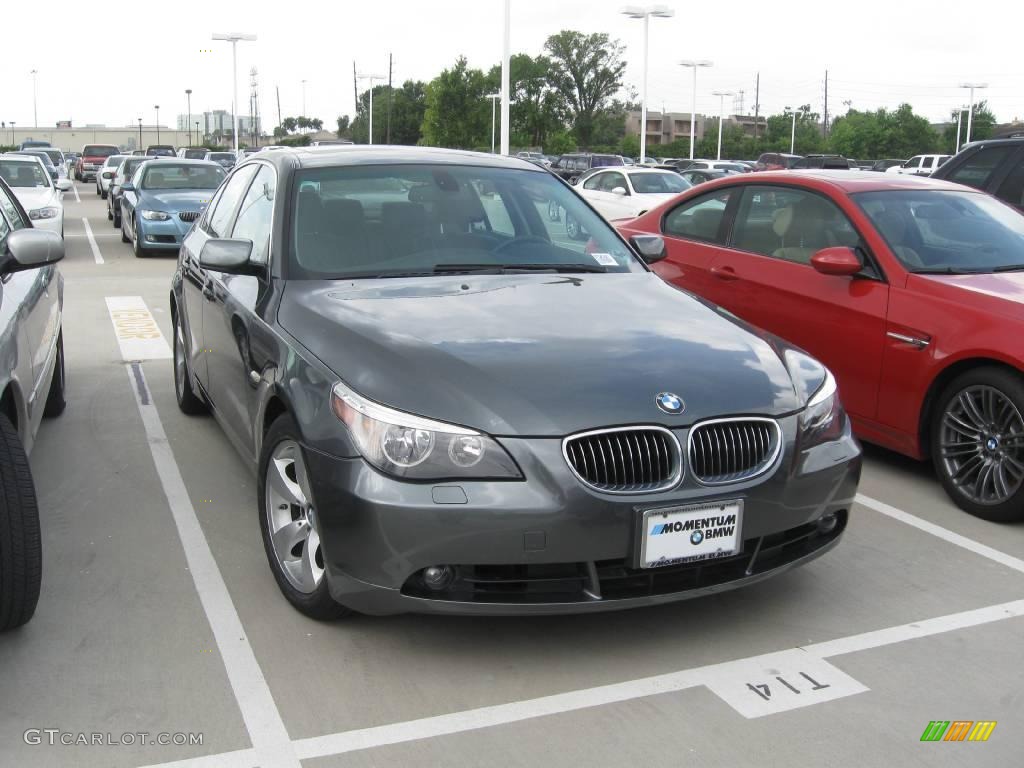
(696, 538)
(670, 402)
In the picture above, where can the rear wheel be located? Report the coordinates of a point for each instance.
(977, 441)
(21, 552)
(289, 524)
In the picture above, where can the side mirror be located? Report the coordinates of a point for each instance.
(31, 248)
(127, 187)
(63, 184)
(650, 247)
(620, 191)
(838, 261)
(226, 255)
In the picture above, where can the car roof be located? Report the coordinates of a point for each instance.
(363, 154)
(22, 157)
(847, 181)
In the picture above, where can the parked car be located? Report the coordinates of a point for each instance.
(881, 166)
(33, 144)
(914, 289)
(776, 161)
(160, 150)
(716, 165)
(697, 176)
(93, 156)
(32, 350)
(37, 192)
(626, 193)
(248, 152)
(556, 469)
(331, 142)
(70, 161)
(919, 165)
(163, 199)
(138, 153)
(536, 157)
(57, 158)
(44, 158)
(995, 166)
(105, 174)
(569, 167)
(831, 162)
(226, 160)
(129, 164)
(193, 153)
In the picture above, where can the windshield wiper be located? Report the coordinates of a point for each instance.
(1009, 268)
(498, 269)
(946, 271)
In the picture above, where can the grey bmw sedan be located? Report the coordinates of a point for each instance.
(451, 406)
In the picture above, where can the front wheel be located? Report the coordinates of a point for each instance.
(553, 211)
(572, 227)
(55, 402)
(188, 401)
(21, 550)
(288, 522)
(137, 248)
(103, 194)
(977, 443)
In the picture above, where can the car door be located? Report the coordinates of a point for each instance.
(619, 206)
(912, 166)
(594, 194)
(694, 232)
(196, 285)
(839, 320)
(230, 300)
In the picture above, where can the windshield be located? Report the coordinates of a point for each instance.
(160, 152)
(41, 155)
(195, 154)
(129, 166)
(393, 220)
(946, 232)
(221, 156)
(114, 160)
(23, 173)
(98, 150)
(54, 155)
(164, 175)
(658, 183)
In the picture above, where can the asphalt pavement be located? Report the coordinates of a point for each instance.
(159, 614)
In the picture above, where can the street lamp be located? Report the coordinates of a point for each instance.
(645, 13)
(792, 134)
(198, 142)
(371, 78)
(188, 120)
(233, 38)
(970, 109)
(140, 133)
(35, 113)
(721, 117)
(494, 97)
(304, 98)
(693, 107)
(157, 108)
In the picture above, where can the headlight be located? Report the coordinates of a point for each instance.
(823, 418)
(44, 213)
(156, 215)
(415, 448)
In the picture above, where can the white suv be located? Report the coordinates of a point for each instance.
(919, 165)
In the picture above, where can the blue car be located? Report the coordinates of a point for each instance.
(163, 199)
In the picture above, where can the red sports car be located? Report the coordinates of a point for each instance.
(911, 290)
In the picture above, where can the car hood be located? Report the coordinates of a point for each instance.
(537, 355)
(1000, 292)
(35, 197)
(178, 199)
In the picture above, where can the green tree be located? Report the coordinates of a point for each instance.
(409, 103)
(587, 71)
(982, 123)
(538, 109)
(457, 113)
(883, 133)
(344, 130)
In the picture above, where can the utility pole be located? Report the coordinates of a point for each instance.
(278, 89)
(757, 101)
(824, 122)
(387, 132)
(355, 87)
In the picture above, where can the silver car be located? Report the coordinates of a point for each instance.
(32, 386)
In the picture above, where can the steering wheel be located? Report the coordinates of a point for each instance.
(525, 240)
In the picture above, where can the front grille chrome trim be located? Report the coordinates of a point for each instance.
(643, 481)
(738, 442)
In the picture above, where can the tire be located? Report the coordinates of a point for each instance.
(282, 443)
(124, 235)
(573, 228)
(137, 249)
(188, 401)
(110, 212)
(977, 443)
(553, 213)
(98, 193)
(103, 194)
(55, 402)
(21, 553)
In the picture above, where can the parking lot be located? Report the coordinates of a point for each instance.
(159, 615)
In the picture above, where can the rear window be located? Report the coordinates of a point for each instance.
(976, 170)
(600, 161)
(195, 154)
(221, 156)
(99, 150)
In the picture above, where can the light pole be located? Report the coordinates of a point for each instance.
(970, 109)
(721, 117)
(157, 108)
(494, 97)
(35, 113)
(506, 88)
(645, 13)
(198, 143)
(693, 105)
(792, 134)
(233, 38)
(959, 121)
(140, 133)
(371, 78)
(304, 98)
(188, 120)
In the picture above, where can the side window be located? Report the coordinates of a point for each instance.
(255, 217)
(615, 180)
(11, 211)
(1012, 188)
(790, 224)
(698, 219)
(914, 162)
(595, 181)
(976, 170)
(219, 221)
(4, 230)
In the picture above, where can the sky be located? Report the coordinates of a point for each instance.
(878, 54)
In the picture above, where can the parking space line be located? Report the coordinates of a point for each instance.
(74, 188)
(138, 335)
(92, 241)
(943, 533)
(267, 733)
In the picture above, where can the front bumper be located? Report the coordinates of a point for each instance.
(549, 544)
(163, 235)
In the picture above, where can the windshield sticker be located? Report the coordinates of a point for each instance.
(605, 259)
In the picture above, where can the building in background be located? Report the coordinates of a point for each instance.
(218, 124)
(665, 128)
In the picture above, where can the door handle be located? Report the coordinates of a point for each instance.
(725, 273)
(208, 291)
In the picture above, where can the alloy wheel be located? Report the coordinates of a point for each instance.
(179, 359)
(291, 519)
(982, 444)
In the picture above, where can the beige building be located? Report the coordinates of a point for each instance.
(73, 139)
(665, 128)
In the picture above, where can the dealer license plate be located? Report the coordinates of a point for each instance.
(674, 535)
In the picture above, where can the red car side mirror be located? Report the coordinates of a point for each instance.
(838, 261)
